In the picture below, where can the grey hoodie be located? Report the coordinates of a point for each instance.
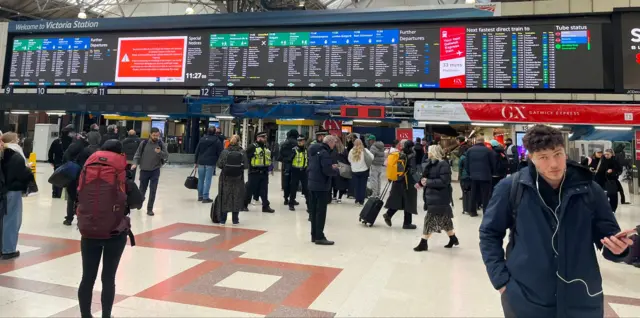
(377, 149)
(93, 137)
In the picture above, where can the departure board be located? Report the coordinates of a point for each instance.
(487, 55)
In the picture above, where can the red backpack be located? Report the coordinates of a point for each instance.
(102, 197)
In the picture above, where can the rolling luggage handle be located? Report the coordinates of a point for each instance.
(384, 191)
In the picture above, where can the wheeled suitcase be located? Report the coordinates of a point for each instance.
(215, 210)
(372, 208)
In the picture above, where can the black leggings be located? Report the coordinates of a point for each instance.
(92, 251)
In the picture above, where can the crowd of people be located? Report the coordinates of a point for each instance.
(537, 203)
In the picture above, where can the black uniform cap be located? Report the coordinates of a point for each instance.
(322, 133)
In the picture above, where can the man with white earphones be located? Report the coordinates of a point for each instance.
(556, 214)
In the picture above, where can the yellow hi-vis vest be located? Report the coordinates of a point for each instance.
(261, 158)
(300, 159)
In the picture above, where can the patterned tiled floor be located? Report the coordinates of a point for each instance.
(183, 266)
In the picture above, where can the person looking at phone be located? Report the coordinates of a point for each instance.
(556, 213)
(150, 157)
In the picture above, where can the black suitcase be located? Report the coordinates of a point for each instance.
(215, 211)
(372, 208)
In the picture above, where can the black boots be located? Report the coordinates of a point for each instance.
(423, 246)
(453, 241)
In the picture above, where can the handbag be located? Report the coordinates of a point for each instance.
(66, 173)
(192, 181)
(368, 160)
(611, 186)
(345, 170)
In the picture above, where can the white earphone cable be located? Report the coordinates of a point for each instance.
(555, 232)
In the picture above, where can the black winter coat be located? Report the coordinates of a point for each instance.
(403, 194)
(17, 175)
(530, 272)
(56, 153)
(130, 146)
(231, 190)
(481, 163)
(320, 167)
(339, 182)
(438, 191)
(208, 150)
(286, 151)
(108, 136)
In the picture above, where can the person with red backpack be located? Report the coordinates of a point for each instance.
(106, 194)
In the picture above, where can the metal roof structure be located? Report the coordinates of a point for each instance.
(20, 10)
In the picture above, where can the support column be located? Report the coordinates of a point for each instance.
(260, 125)
(245, 133)
(195, 134)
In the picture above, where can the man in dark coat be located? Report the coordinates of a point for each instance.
(481, 163)
(206, 156)
(321, 169)
(621, 158)
(56, 155)
(555, 214)
(130, 147)
(79, 151)
(112, 133)
(286, 154)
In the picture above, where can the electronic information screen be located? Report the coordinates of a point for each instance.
(479, 55)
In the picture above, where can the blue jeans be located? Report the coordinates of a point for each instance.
(12, 222)
(205, 174)
(359, 180)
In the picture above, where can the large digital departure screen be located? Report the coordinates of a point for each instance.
(480, 55)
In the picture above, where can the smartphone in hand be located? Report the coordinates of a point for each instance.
(627, 233)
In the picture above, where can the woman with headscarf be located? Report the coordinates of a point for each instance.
(403, 194)
(358, 157)
(17, 176)
(231, 189)
(436, 179)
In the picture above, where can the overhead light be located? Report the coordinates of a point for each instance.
(370, 121)
(158, 116)
(189, 11)
(301, 3)
(82, 14)
(20, 112)
(613, 128)
(110, 115)
(470, 1)
(60, 113)
(176, 121)
(556, 126)
(224, 117)
(292, 119)
(488, 124)
(422, 123)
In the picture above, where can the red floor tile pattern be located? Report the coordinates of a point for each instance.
(48, 248)
(299, 286)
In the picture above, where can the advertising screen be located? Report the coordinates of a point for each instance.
(630, 33)
(542, 54)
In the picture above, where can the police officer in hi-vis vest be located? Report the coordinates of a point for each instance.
(298, 173)
(259, 157)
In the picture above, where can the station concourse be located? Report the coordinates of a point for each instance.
(185, 266)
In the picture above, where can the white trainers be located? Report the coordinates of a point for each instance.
(256, 202)
(339, 201)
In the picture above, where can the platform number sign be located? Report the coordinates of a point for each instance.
(8, 90)
(101, 91)
(205, 91)
(41, 90)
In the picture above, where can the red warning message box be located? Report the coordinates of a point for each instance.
(151, 59)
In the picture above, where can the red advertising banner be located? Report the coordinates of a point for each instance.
(453, 51)
(404, 133)
(590, 114)
(637, 145)
(157, 59)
